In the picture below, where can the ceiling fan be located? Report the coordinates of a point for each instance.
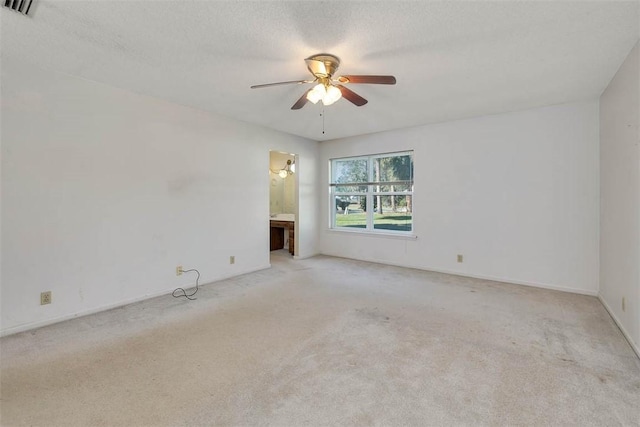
(329, 89)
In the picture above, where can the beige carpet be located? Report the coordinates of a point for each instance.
(329, 341)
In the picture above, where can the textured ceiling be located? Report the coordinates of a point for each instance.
(451, 59)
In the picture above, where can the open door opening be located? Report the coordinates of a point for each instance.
(283, 209)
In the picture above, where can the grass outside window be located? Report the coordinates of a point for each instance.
(391, 221)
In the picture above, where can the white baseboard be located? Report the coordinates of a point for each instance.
(522, 283)
(479, 276)
(39, 324)
(633, 345)
(306, 256)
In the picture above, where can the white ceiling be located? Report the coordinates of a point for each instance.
(451, 59)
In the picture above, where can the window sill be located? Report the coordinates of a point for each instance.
(373, 234)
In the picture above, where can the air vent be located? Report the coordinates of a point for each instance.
(20, 6)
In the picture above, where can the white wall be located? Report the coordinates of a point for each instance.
(105, 191)
(620, 197)
(516, 194)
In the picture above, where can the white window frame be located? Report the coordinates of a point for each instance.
(370, 193)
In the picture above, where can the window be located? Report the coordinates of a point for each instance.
(372, 193)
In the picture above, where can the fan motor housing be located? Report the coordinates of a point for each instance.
(331, 64)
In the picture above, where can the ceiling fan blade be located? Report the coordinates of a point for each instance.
(298, 82)
(376, 80)
(316, 67)
(351, 96)
(301, 102)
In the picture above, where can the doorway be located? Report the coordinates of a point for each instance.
(283, 202)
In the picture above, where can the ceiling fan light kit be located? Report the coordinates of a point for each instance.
(328, 94)
(327, 89)
(317, 93)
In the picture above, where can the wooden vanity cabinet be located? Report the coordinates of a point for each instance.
(278, 228)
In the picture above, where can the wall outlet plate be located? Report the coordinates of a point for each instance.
(624, 304)
(45, 298)
(460, 257)
(179, 270)
(232, 259)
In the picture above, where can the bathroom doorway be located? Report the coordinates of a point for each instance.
(283, 202)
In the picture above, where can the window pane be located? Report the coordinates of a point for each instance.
(351, 212)
(347, 171)
(392, 213)
(388, 192)
(393, 168)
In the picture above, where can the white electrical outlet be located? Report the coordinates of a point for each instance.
(179, 270)
(232, 259)
(460, 257)
(45, 298)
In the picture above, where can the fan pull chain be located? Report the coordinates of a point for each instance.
(322, 114)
